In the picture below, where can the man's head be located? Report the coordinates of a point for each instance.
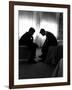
(42, 31)
(31, 30)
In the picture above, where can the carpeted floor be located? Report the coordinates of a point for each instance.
(37, 70)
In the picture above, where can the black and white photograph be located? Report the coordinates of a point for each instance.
(39, 44)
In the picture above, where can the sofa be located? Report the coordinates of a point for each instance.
(55, 53)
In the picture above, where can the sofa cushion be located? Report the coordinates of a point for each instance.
(55, 53)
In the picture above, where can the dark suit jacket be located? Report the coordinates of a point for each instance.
(50, 41)
(26, 39)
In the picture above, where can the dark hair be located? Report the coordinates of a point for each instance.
(32, 30)
(42, 30)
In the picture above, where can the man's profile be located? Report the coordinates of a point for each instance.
(50, 41)
(27, 40)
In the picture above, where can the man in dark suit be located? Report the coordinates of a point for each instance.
(50, 41)
(27, 39)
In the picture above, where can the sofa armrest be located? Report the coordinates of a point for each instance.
(58, 71)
